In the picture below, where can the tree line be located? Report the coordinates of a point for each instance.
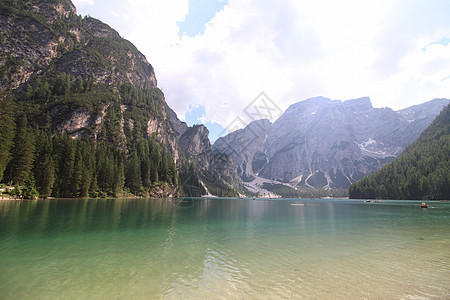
(122, 159)
(113, 158)
(422, 171)
(60, 166)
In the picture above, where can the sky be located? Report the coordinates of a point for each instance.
(217, 60)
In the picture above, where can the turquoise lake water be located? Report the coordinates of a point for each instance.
(223, 249)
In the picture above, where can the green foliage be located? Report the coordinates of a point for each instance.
(219, 188)
(47, 94)
(121, 156)
(44, 170)
(63, 167)
(108, 166)
(189, 179)
(17, 190)
(62, 85)
(421, 171)
(21, 164)
(133, 174)
(7, 131)
(30, 191)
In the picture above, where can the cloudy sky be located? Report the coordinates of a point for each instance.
(214, 58)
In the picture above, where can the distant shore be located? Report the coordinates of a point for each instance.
(10, 198)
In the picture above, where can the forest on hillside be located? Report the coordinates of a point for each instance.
(57, 68)
(422, 171)
(42, 163)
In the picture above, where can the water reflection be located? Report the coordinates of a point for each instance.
(194, 248)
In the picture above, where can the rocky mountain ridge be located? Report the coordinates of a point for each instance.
(42, 36)
(324, 143)
(41, 39)
(78, 76)
(420, 172)
(194, 143)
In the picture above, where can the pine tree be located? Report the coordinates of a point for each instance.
(119, 179)
(105, 169)
(44, 92)
(66, 166)
(78, 86)
(77, 175)
(62, 85)
(87, 169)
(47, 179)
(133, 174)
(19, 168)
(421, 171)
(43, 170)
(163, 168)
(30, 191)
(7, 131)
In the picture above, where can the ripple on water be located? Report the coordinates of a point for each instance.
(223, 250)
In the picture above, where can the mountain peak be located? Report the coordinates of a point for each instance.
(359, 104)
(51, 9)
(326, 143)
(309, 102)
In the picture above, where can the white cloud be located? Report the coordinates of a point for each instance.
(293, 50)
(82, 2)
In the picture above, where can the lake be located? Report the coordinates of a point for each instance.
(211, 248)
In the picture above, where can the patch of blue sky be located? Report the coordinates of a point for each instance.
(443, 41)
(196, 115)
(200, 13)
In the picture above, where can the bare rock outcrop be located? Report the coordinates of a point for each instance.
(326, 143)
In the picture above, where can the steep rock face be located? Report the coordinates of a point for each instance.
(195, 145)
(40, 36)
(82, 123)
(165, 134)
(122, 62)
(41, 40)
(420, 172)
(77, 75)
(194, 141)
(26, 43)
(418, 117)
(328, 143)
(178, 126)
(245, 147)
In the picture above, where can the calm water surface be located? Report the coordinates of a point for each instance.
(223, 248)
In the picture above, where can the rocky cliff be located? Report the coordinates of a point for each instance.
(42, 36)
(325, 143)
(43, 39)
(214, 168)
(246, 148)
(420, 172)
(79, 76)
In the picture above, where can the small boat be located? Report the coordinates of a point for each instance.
(424, 205)
(367, 201)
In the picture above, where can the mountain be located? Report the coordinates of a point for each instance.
(216, 171)
(420, 172)
(41, 36)
(323, 143)
(245, 147)
(70, 68)
(86, 104)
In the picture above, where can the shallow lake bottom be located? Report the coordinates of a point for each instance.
(223, 249)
